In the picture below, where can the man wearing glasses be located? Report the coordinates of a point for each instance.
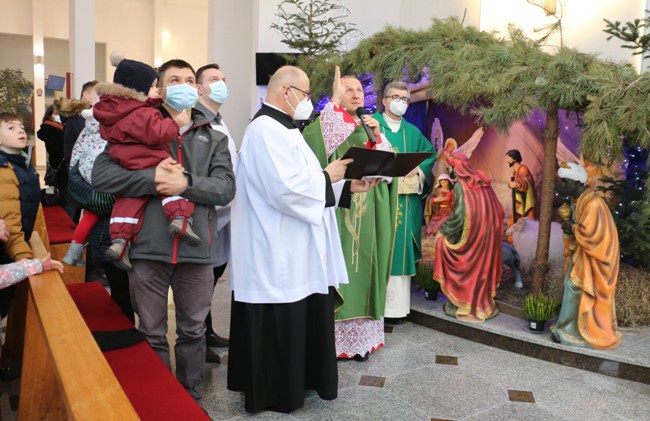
(404, 137)
(286, 256)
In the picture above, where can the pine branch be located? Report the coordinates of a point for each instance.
(631, 33)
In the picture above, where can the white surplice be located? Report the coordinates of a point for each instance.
(285, 243)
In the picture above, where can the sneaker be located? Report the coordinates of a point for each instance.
(118, 252)
(74, 256)
(182, 227)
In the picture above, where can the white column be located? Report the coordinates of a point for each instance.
(158, 29)
(39, 78)
(82, 44)
(231, 45)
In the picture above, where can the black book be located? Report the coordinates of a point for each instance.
(388, 164)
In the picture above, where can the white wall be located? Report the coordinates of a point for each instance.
(583, 23)
(230, 44)
(241, 28)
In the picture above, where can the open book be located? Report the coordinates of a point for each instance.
(369, 162)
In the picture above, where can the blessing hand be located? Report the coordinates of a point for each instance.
(338, 90)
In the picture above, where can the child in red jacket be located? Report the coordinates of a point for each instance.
(138, 137)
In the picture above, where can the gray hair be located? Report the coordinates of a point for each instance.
(397, 85)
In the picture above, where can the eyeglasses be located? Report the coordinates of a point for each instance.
(398, 98)
(304, 92)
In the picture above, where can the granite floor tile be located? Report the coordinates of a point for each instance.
(513, 371)
(607, 384)
(416, 334)
(360, 403)
(444, 344)
(390, 361)
(446, 391)
(517, 412)
(347, 377)
(602, 398)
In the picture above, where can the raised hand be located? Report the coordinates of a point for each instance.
(338, 90)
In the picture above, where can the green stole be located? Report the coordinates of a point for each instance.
(366, 235)
(408, 225)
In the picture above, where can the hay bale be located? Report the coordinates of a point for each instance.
(428, 248)
(632, 297)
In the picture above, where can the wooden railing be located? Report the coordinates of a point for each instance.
(64, 374)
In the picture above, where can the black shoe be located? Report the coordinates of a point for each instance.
(394, 321)
(216, 341)
(12, 372)
(363, 357)
(212, 357)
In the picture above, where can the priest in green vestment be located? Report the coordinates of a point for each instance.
(366, 228)
(412, 189)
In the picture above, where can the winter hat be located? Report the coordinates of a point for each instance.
(573, 171)
(132, 74)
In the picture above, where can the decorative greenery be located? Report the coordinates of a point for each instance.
(500, 81)
(314, 27)
(540, 307)
(632, 34)
(15, 91)
(424, 277)
(632, 218)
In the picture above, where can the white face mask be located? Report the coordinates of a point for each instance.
(398, 108)
(57, 118)
(303, 110)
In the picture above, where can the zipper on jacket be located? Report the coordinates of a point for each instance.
(180, 161)
(209, 232)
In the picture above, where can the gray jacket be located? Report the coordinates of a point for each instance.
(211, 182)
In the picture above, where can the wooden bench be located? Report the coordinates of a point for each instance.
(60, 229)
(65, 374)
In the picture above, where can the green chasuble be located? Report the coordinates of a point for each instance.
(366, 235)
(408, 225)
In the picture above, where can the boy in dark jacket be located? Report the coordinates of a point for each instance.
(19, 208)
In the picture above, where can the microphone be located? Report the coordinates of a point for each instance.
(361, 111)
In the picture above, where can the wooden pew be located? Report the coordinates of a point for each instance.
(64, 374)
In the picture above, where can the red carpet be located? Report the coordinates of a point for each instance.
(59, 225)
(152, 389)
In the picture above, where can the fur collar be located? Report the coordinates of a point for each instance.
(116, 89)
(69, 107)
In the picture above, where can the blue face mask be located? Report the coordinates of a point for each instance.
(181, 97)
(218, 91)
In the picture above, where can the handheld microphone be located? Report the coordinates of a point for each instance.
(361, 111)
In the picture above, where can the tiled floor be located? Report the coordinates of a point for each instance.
(423, 374)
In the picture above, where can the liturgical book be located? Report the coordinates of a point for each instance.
(371, 162)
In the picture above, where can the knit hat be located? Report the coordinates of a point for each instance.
(573, 171)
(132, 74)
